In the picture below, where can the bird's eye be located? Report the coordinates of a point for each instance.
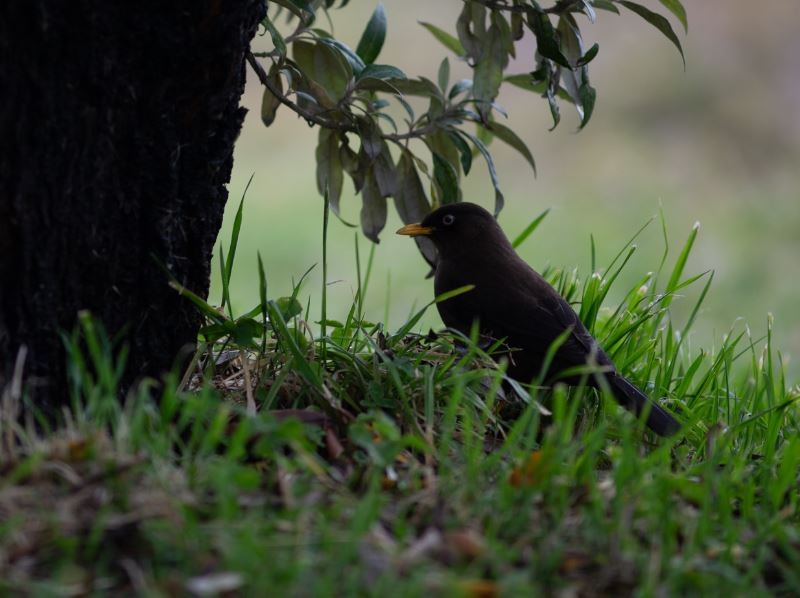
(448, 219)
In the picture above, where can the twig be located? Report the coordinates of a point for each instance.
(187, 375)
(313, 118)
(248, 384)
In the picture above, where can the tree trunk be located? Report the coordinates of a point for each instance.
(118, 122)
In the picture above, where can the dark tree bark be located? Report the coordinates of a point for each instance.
(118, 122)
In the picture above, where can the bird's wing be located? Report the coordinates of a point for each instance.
(522, 308)
(531, 313)
(458, 312)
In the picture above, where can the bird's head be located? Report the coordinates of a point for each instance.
(458, 228)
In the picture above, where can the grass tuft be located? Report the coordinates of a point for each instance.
(347, 458)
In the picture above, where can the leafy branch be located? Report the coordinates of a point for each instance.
(355, 100)
(521, 8)
(314, 119)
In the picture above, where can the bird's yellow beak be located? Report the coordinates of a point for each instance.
(415, 230)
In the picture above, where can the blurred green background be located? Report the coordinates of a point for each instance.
(718, 143)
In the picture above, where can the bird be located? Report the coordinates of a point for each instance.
(512, 302)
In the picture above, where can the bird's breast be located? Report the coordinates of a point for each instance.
(461, 311)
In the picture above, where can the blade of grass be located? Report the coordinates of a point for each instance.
(299, 359)
(406, 328)
(323, 324)
(262, 293)
(528, 231)
(680, 264)
(227, 269)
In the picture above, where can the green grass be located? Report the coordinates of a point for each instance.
(310, 453)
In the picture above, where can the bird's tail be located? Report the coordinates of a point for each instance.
(633, 399)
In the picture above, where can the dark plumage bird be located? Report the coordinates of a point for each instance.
(513, 302)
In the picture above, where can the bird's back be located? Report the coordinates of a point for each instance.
(512, 301)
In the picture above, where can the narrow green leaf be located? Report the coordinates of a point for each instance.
(308, 100)
(371, 142)
(605, 5)
(454, 293)
(528, 231)
(588, 55)
(244, 331)
(410, 87)
(572, 47)
(289, 338)
(277, 38)
(325, 67)
(351, 165)
(498, 195)
(252, 313)
(330, 173)
(517, 26)
(384, 170)
(657, 21)
(507, 135)
(463, 149)
(676, 8)
(381, 72)
(546, 42)
(406, 328)
(471, 29)
(498, 20)
(459, 86)
(299, 8)
(441, 143)
(444, 75)
(446, 178)
(289, 307)
(304, 5)
(373, 208)
(269, 101)
(407, 107)
(262, 295)
(488, 72)
(371, 42)
(697, 305)
(527, 82)
(680, 264)
(485, 135)
(376, 107)
(237, 225)
(449, 41)
(764, 412)
(347, 53)
(207, 310)
(551, 94)
(588, 9)
(225, 291)
(323, 333)
(588, 309)
(411, 203)
(588, 96)
(213, 332)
